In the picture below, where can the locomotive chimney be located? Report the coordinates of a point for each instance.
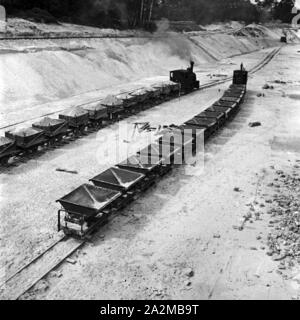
(192, 66)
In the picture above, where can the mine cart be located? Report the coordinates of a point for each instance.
(184, 143)
(164, 89)
(27, 139)
(230, 99)
(210, 125)
(149, 166)
(237, 88)
(119, 180)
(175, 88)
(241, 87)
(235, 100)
(114, 106)
(129, 101)
(141, 94)
(198, 134)
(168, 153)
(219, 116)
(225, 110)
(77, 119)
(226, 104)
(169, 87)
(233, 93)
(97, 113)
(155, 92)
(55, 129)
(85, 208)
(176, 138)
(8, 149)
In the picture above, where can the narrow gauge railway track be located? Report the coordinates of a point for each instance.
(74, 37)
(204, 86)
(26, 277)
(252, 71)
(71, 136)
(25, 156)
(56, 112)
(17, 284)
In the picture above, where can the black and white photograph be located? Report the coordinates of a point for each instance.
(149, 151)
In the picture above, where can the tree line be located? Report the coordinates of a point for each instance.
(142, 13)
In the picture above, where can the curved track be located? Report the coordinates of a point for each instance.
(205, 86)
(26, 277)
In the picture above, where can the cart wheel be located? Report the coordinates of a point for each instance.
(67, 232)
(51, 143)
(33, 149)
(4, 161)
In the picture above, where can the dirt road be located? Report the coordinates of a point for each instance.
(186, 238)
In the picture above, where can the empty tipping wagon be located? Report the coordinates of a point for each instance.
(219, 116)
(128, 182)
(169, 154)
(85, 208)
(209, 125)
(182, 142)
(149, 166)
(90, 205)
(222, 109)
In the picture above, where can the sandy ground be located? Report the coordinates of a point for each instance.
(29, 215)
(60, 73)
(186, 222)
(25, 115)
(181, 240)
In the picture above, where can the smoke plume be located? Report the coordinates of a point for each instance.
(179, 45)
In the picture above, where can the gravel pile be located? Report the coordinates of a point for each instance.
(284, 238)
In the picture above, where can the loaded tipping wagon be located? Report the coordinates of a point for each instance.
(97, 113)
(85, 208)
(170, 88)
(54, 129)
(77, 119)
(27, 139)
(129, 102)
(114, 106)
(141, 95)
(162, 90)
(155, 92)
(8, 149)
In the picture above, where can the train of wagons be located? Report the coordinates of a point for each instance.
(91, 204)
(74, 122)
